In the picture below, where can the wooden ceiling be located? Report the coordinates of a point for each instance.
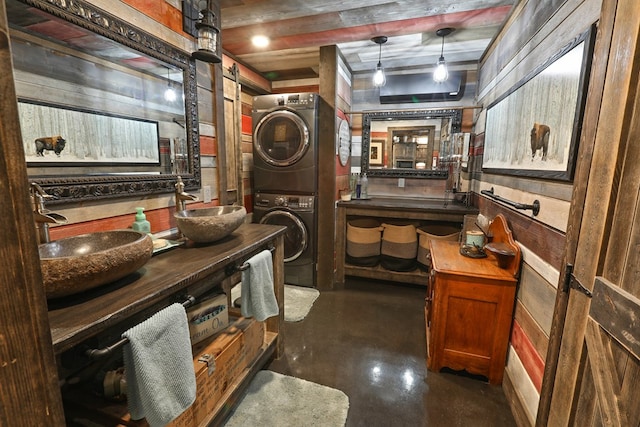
(298, 28)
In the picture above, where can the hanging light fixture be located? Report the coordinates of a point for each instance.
(441, 74)
(207, 38)
(379, 79)
(169, 94)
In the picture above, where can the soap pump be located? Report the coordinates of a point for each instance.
(141, 224)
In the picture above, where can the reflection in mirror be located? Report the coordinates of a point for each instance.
(97, 114)
(407, 143)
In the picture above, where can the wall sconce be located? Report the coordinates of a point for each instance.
(441, 73)
(207, 35)
(169, 94)
(379, 79)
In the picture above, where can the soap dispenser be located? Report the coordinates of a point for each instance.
(141, 224)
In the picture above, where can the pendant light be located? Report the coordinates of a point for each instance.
(441, 73)
(379, 79)
(207, 38)
(169, 94)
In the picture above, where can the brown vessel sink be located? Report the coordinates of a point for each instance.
(79, 263)
(210, 224)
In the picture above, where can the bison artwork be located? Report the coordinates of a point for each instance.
(539, 140)
(51, 143)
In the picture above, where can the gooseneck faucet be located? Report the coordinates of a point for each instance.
(182, 196)
(42, 216)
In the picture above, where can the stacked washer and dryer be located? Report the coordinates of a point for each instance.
(285, 172)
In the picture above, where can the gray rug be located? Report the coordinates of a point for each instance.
(276, 400)
(297, 301)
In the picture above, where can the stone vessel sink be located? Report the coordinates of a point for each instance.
(79, 263)
(210, 224)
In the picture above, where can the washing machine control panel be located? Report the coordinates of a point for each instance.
(292, 202)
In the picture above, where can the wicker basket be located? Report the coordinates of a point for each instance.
(426, 233)
(399, 247)
(363, 242)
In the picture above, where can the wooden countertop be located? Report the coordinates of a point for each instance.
(407, 204)
(77, 318)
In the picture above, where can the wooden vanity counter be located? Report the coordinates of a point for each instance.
(168, 277)
(391, 208)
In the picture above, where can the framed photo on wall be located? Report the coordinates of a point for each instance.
(376, 152)
(533, 130)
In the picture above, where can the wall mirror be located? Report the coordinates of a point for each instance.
(94, 98)
(408, 143)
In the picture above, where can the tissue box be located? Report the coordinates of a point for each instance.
(208, 318)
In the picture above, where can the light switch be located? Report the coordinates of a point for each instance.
(401, 182)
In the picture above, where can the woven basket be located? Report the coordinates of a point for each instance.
(429, 232)
(399, 247)
(363, 242)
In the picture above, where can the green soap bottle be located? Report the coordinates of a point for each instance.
(141, 224)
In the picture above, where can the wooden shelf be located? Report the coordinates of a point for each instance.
(416, 277)
(393, 208)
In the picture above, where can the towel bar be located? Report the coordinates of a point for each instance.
(243, 267)
(97, 354)
(535, 207)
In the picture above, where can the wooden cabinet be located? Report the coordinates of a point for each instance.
(387, 208)
(469, 311)
(98, 319)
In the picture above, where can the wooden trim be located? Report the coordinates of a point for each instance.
(28, 373)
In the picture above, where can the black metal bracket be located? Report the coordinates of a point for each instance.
(570, 282)
(535, 206)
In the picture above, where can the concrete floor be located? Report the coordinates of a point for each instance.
(368, 340)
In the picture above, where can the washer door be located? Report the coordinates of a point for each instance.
(296, 236)
(281, 138)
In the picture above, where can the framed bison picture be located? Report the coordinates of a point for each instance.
(60, 135)
(533, 130)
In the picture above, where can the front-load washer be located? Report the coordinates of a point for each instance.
(298, 214)
(285, 139)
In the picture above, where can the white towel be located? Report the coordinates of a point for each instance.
(161, 381)
(257, 297)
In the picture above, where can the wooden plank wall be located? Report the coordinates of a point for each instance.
(533, 33)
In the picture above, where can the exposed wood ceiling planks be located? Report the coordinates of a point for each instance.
(297, 29)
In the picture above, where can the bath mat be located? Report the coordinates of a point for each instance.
(297, 301)
(276, 400)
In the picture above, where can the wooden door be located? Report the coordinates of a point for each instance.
(594, 380)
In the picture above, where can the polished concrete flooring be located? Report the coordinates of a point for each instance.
(368, 340)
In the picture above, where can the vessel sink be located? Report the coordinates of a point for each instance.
(210, 224)
(79, 263)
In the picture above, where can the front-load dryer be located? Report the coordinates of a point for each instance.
(298, 214)
(285, 138)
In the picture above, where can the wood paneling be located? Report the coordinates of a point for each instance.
(537, 296)
(530, 359)
(549, 243)
(535, 334)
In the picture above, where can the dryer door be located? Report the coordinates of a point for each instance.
(296, 237)
(281, 138)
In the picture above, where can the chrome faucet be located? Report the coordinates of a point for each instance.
(42, 216)
(182, 196)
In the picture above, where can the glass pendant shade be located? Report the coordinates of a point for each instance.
(441, 74)
(170, 94)
(379, 79)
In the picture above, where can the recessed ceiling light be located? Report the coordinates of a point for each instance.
(260, 41)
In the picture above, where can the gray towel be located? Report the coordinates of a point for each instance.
(161, 381)
(257, 297)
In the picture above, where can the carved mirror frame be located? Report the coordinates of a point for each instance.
(82, 188)
(456, 123)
